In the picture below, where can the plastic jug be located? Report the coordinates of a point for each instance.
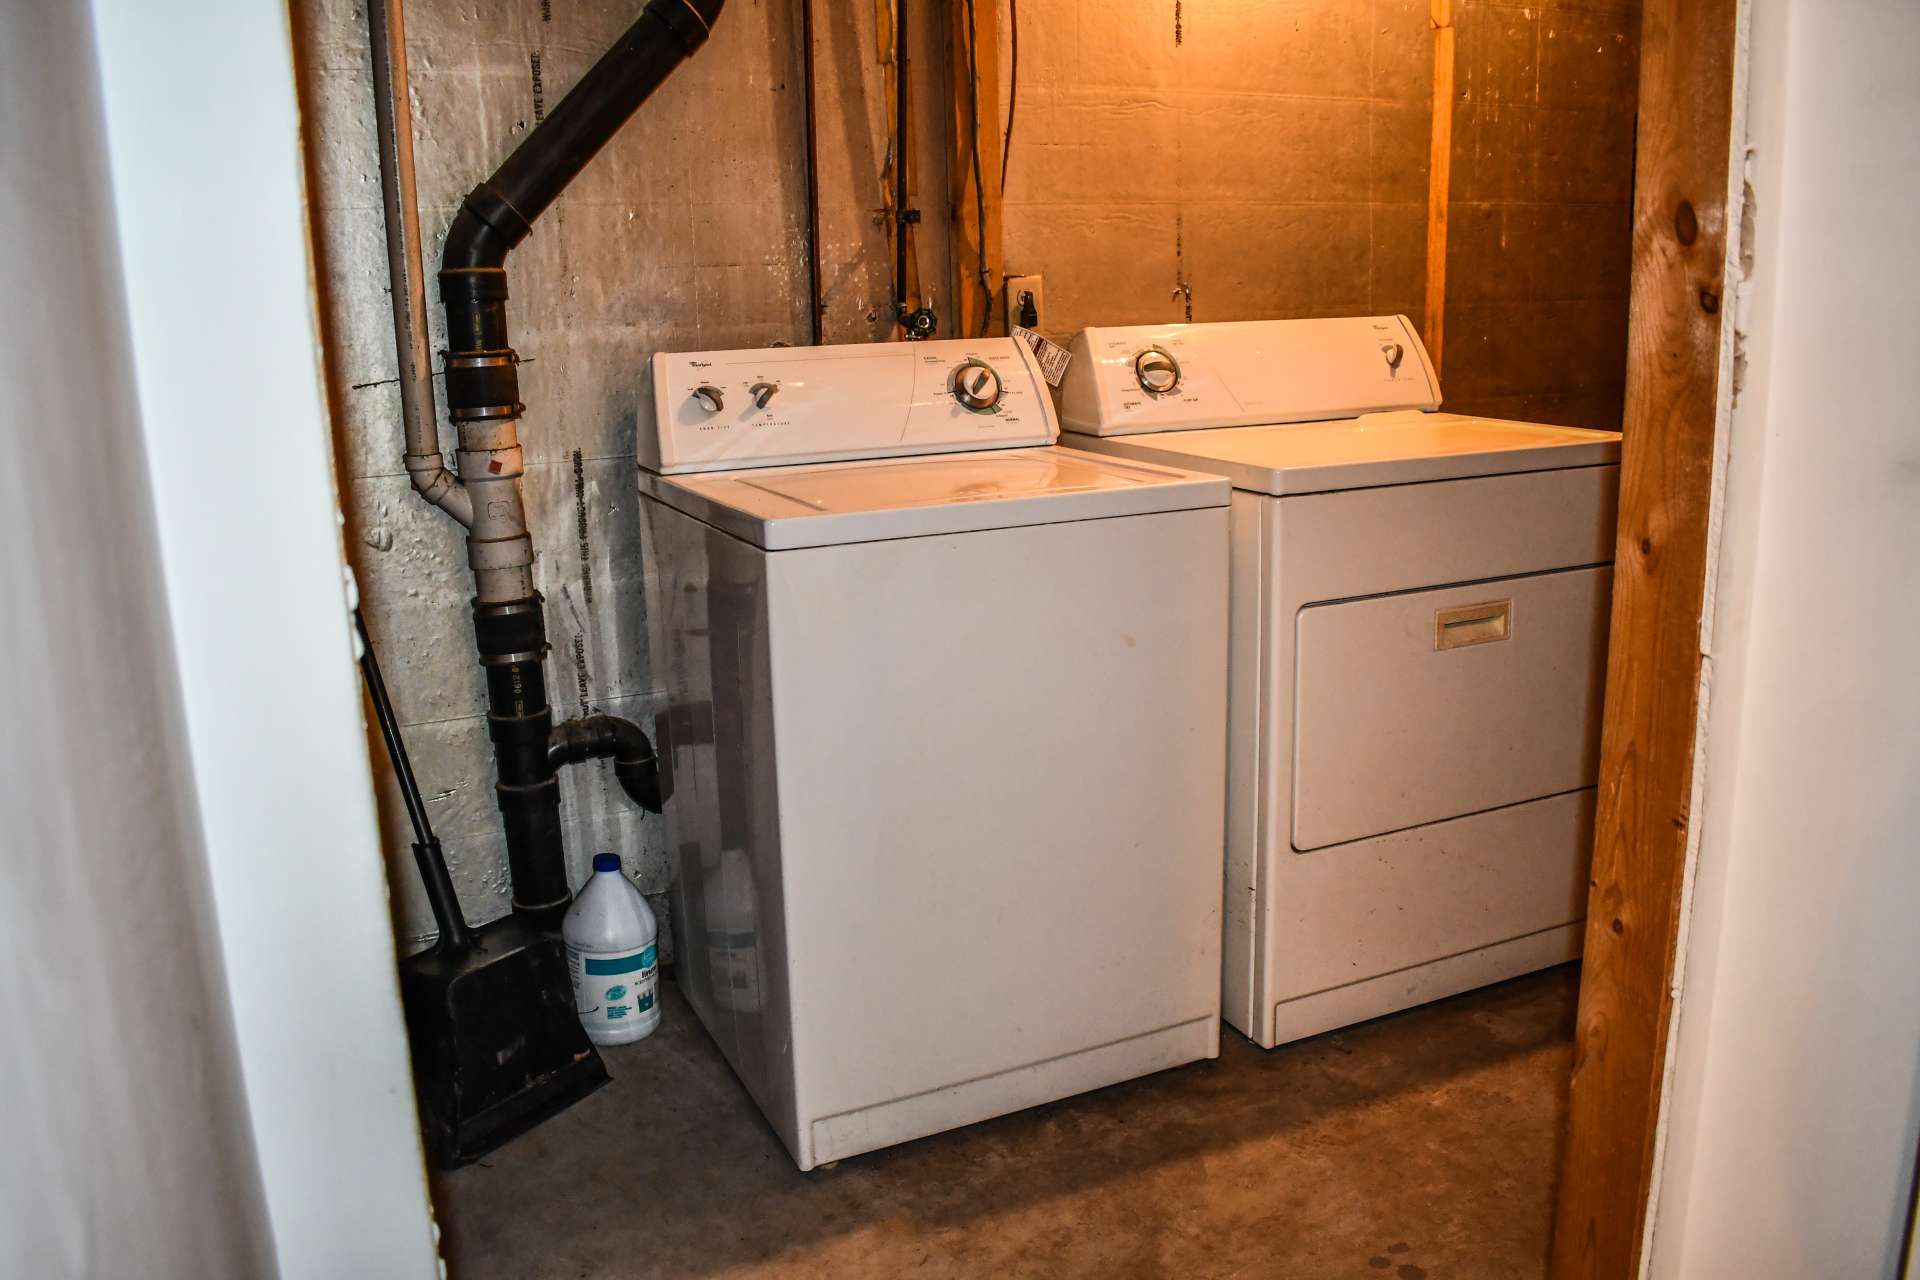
(612, 952)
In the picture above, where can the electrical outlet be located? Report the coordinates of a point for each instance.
(1017, 285)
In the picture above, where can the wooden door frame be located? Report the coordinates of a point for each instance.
(1684, 211)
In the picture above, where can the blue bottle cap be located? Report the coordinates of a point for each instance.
(606, 862)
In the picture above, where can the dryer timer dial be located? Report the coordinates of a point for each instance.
(1157, 371)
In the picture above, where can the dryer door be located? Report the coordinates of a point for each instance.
(1427, 705)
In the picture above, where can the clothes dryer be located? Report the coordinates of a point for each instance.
(1417, 659)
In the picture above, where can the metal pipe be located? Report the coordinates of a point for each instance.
(393, 120)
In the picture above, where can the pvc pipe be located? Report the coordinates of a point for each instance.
(393, 117)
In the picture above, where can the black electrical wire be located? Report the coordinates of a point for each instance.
(818, 304)
(979, 185)
(1013, 88)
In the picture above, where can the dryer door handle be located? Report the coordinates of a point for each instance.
(1470, 624)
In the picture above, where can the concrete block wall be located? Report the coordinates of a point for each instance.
(688, 231)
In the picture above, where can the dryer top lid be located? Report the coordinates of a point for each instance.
(1368, 452)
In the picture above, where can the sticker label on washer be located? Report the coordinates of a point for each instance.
(1052, 356)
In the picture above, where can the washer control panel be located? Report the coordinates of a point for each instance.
(1124, 381)
(772, 406)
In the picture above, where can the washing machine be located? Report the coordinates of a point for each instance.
(945, 730)
(1417, 656)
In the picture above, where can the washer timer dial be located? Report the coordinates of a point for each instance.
(976, 385)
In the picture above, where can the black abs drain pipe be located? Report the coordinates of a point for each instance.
(512, 638)
(483, 403)
(483, 398)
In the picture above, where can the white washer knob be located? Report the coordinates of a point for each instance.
(709, 397)
(1157, 371)
(976, 385)
(1394, 353)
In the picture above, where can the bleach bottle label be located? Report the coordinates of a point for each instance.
(615, 992)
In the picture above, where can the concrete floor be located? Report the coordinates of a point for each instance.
(1417, 1147)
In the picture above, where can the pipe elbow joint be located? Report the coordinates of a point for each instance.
(602, 737)
(439, 486)
(640, 779)
(483, 232)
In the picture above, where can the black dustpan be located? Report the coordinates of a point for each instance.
(497, 1046)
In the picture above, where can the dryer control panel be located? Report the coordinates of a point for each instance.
(771, 406)
(1177, 377)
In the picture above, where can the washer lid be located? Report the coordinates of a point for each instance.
(779, 508)
(1367, 452)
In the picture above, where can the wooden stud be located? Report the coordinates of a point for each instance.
(1681, 194)
(975, 59)
(1439, 180)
